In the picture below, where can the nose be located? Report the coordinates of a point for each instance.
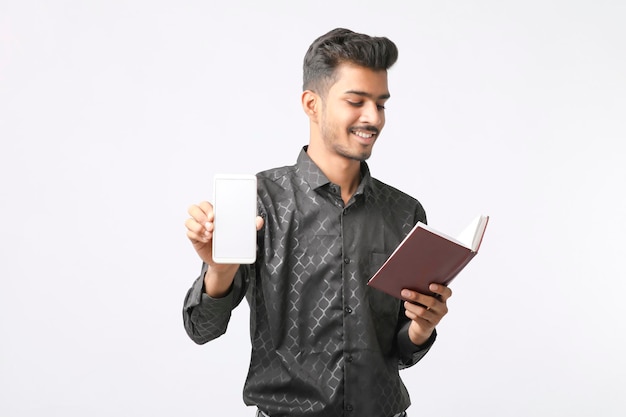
(372, 114)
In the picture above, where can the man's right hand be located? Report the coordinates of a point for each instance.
(219, 277)
(200, 230)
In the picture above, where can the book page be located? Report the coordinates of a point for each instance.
(470, 236)
(450, 238)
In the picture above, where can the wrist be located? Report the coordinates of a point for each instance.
(420, 338)
(218, 280)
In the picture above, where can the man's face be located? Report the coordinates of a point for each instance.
(353, 113)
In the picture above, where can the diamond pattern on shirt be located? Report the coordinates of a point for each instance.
(323, 342)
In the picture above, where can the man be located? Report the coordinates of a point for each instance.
(323, 342)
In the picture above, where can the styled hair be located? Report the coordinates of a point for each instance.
(340, 46)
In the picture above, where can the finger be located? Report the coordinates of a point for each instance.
(193, 226)
(200, 223)
(414, 310)
(196, 231)
(431, 315)
(207, 208)
(426, 302)
(196, 238)
(424, 316)
(259, 222)
(418, 298)
(442, 291)
(201, 213)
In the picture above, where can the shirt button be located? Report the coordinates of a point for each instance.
(346, 260)
(349, 407)
(349, 359)
(348, 310)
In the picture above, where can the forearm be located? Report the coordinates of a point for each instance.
(410, 353)
(219, 280)
(206, 317)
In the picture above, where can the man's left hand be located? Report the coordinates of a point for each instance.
(425, 311)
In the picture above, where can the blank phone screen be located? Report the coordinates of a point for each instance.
(234, 233)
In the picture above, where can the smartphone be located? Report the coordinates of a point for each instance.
(234, 206)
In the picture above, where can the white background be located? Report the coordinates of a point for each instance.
(114, 116)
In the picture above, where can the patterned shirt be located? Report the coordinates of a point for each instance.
(323, 342)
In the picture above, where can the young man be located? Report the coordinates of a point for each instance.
(323, 342)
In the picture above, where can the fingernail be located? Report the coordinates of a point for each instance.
(406, 293)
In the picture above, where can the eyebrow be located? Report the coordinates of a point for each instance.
(368, 95)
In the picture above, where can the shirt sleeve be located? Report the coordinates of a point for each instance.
(410, 353)
(206, 318)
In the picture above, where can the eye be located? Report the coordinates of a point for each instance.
(355, 103)
(380, 107)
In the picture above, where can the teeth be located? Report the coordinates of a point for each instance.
(363, 134)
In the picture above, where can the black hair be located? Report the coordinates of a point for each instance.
(341, 46)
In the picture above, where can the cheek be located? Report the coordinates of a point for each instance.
(343, 120)
(351, 118)
(342, 116)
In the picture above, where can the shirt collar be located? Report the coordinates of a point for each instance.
(314, 176)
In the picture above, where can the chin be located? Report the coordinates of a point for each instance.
(363, 156)
(358, 153)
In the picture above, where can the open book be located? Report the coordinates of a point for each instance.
(427, 256)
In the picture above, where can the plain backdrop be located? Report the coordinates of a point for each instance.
(115, 115)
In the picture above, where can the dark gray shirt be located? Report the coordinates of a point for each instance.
(323, 342)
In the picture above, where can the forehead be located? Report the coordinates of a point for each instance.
(351, 77)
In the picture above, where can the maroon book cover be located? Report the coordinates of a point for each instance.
(426, 256)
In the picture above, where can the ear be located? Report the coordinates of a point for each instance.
(311, 104)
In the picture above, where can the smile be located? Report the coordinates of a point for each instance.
(364, 135)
